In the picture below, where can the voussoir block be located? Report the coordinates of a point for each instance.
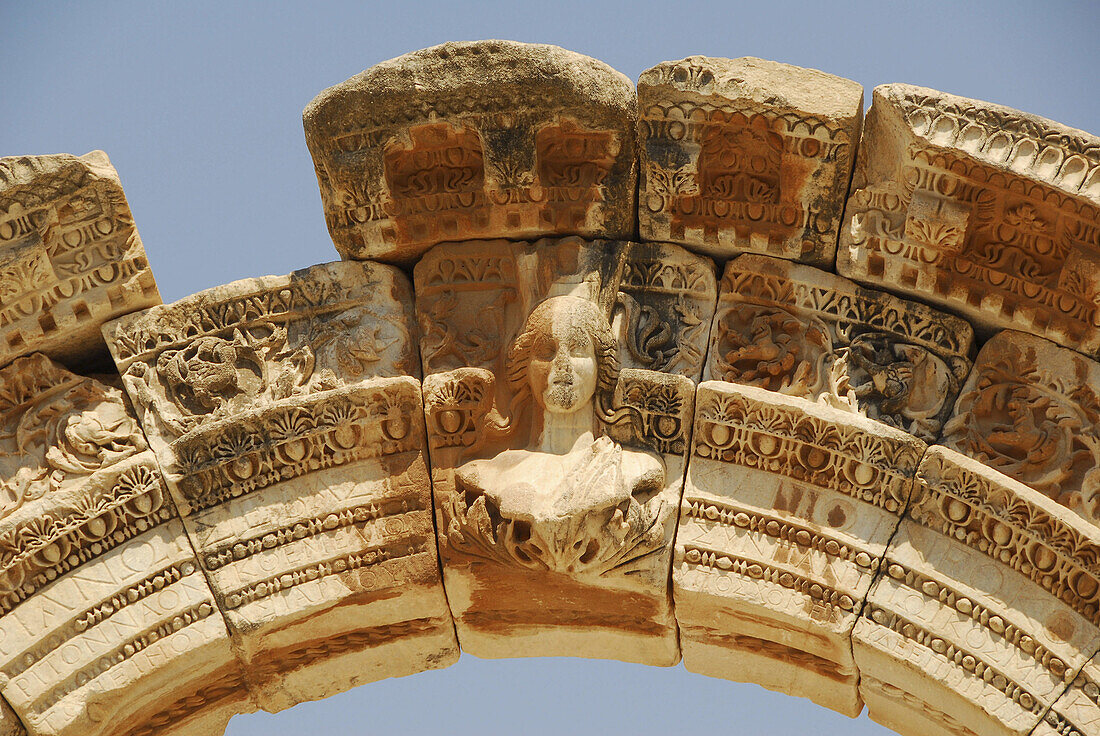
(559, 388)
(286, 414)
(985, 608)
(487, 139)
(1031, 410)
(107, 623)
(804, 332)
(70, 256)
(746, 155)
(788, 507)
(1077, 712)
(987, 211)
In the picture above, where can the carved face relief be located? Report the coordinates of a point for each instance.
(562, 371)
(564, 355)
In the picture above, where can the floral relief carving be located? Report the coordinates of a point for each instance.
(287, 414)
(1031, 410)
(772, 349)
(258, 351)
(803, 332)
(975, 224)
(84, 428)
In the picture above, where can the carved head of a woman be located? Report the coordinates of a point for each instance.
(564, 356)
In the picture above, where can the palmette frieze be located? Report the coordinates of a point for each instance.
(241, 455)
(287, 414)
(787, 511)
(993, 518)
(91, 502)
(34, 553)
(613, 452)
(732, 429)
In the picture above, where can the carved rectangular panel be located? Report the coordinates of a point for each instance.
(746, 155)
(665, 304)
(556, 470)
(288, 419)
(787, 510)
(804, 332)
(70, 256)
(985, 606)
(546, 149)
(1031, 410)
(987, 211)
(107, 624)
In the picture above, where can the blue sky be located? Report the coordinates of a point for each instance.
(199, 106)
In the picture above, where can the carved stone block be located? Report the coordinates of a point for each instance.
(288, 419)
(664, 308)
(70, 256)
(108, 624)
(788, 507)
(556, 469)
(746, 155)
(474, 140)
(1031, 410)
(986, 605)
(990, 212)
(805, 332)
(1077, 712)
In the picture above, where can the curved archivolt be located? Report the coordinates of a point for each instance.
(875, 493)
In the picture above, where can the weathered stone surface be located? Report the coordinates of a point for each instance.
(556, 471)
(70, 257)
(1031, 410)
(805, 332)
(287, 416)
(474, 140)
(746, 155)
(1077, 712)
(788, 507)
(986, 605)
(663, 309)
(108, 625)
(10, 725)
(985, 210)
